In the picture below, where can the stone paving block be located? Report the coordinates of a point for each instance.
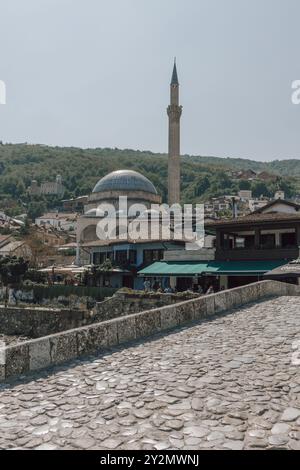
(168, 317)
(91, 339)
(217, 384)
(270, 288)
(250, 293)
(126, 330)
(2, 372)
(147, 323)
(233, 298)
(289, 289)
(112, 332)
(63, 346)
(292, 289)
(220, 302)
(244, 295)
(200, 308)
(279, 288)
(185, 313)
(39, 353)
(17, 360)
(210, 305)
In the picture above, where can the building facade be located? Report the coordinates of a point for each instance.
(127, 255)
(246, 248)
(58, 220)
(53, 188)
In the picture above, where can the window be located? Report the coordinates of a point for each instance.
(99, 258)
(249, 241)
(288, 240)
(96, 258)
(267, 241)
(132, 256)
(121, 257)
(107, 255)
(153, 255)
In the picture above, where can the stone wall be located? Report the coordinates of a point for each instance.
(122, 304)
(61, 347)
(16, 294)
(56, 295)
(37, 322)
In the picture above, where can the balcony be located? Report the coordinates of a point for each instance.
(239, 254)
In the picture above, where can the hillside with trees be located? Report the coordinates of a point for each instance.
(202, 177)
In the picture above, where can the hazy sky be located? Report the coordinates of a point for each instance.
(96, 73)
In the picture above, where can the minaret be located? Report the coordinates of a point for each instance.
(174, 113)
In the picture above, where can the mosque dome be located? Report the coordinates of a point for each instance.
(124, 180)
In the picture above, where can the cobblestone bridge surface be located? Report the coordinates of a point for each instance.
(229, 383)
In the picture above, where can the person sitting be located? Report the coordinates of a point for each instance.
(200, 290)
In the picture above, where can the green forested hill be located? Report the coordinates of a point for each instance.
(202, 177)
(289, 167)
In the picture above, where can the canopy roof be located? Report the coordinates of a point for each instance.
(72, 269)
(65, 269)
(291, 269)
(194, 268)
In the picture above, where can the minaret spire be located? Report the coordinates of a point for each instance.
(174, 112)
(174, 80)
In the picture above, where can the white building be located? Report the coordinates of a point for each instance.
(256, 204)
(58, 220)
(245, 194)
(55, 188)
(279, 195)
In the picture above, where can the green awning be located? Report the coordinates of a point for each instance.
(246, 268)
(193, 268)
(173, 268)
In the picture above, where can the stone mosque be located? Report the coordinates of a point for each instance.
(137, 188)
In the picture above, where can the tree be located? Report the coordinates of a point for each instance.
(12, 269)
(202, 185)
(38, 249)
(201, 177)
(244, 184)
(92, 276)
(35, 276)
(260, 188)
(36, 209)
(24, 230)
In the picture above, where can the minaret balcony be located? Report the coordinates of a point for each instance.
(174, 112)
